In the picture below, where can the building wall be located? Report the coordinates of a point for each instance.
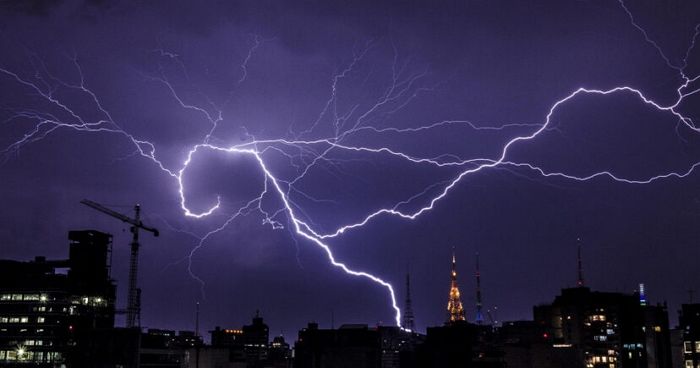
(689, 321)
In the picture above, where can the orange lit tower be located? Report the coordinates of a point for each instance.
(454, 303)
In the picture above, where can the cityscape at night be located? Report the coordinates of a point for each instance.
(394, 184)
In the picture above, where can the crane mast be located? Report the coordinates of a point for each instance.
(133, 308)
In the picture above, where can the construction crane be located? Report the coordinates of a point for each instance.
(133, 308)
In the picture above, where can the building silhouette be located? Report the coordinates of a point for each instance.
(448, 346)
(607, 329)
(689, 326)
(279, 353)
(166, 348)
(524, 344)
(246, 347)
(256, 337)
(49, 308)
(350, 346)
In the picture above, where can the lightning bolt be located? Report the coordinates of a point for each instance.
(305, 154)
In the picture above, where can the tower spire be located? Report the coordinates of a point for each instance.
(579, 282)
(408, 322)
(479, 315)
(454, 303)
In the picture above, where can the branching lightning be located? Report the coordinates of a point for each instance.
(305, 154)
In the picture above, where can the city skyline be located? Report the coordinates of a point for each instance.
(267, 141)
(456, 311)
(62, 311)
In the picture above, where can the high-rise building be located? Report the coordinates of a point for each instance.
(50, 309)
(455, 309)
(689, 323)
(255, 340)
(658, 334)
(610, 330)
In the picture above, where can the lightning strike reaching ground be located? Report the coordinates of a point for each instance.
(403, 88)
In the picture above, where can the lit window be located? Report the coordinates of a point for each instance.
(16, 296)
(697, 346)
(40, 320)
(689, 364)
(24, 320)
(5, 297)
(21, 353)
(688, 347)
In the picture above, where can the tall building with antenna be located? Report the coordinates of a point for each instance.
(454, 303)
(408, 321)
(479, 319)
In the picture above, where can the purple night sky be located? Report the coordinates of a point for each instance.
(360, 76)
